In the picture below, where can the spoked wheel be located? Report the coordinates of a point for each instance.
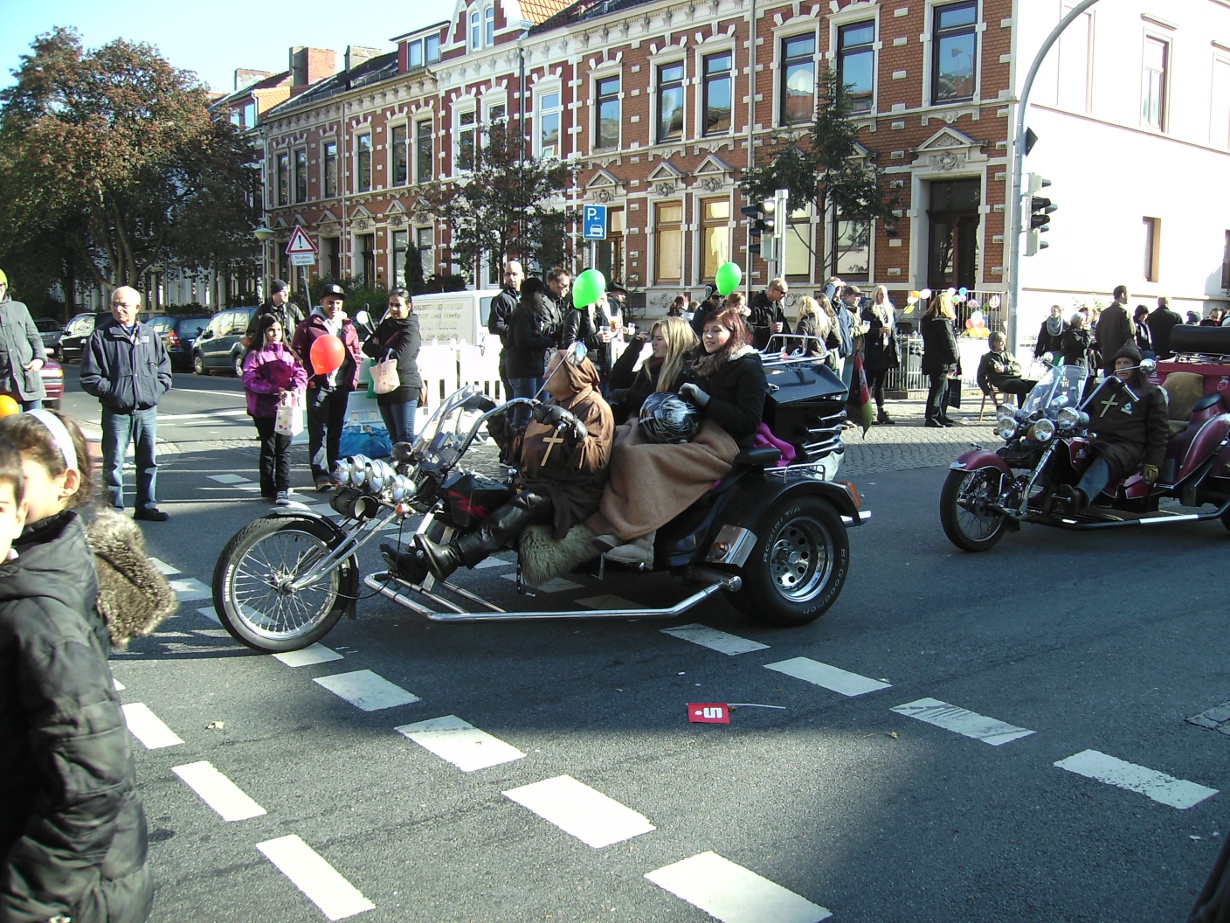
(967, 521)
(799, 564)
(252, 589)
(237, 365)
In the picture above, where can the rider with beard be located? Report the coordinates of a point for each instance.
(1127, 415)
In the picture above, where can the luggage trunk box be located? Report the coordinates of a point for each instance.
(805, 406)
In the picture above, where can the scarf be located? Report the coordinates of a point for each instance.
(1054, 326)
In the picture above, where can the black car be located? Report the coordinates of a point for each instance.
(221, 345)
(78, 330)
(50, 330)
(178, 336)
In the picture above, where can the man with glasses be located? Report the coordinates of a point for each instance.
(502, 306)
(21, 352)
(557, 303)
(767, 317)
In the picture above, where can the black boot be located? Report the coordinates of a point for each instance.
(404, 566)
(496, 531)
(441, 560)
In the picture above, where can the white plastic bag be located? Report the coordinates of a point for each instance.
(384, 375)
(289, 420)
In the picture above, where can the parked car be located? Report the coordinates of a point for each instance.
(221, 345)
(179, 334)
(50, 330)
(78, 330)
(53, 381)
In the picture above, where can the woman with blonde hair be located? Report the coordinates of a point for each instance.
(738, 302)
(671, 340)
(939, 357)
(814, 322)
(880, 347)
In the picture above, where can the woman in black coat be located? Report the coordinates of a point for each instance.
(879, 348)
(398, 336)
(727, 378)
(939, 357)
(1077, 342)
(1050, 334)
(529, 338)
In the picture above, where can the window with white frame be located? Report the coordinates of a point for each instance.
(954, 51)
(282, 172)
(363, 162)
(670, 102)
(611, 250)
(424, 151)
(799, 245)
(1151, 234)
(856, 64)
(423, 239)
(328, 160)
(431, 46)
(467, 139)
(1153, 82)
(422, 51)
(714, 236)
(606, 113)
(852, 247)
(489, 26)
(718, 93)
(797, 90)
(399, 156)
(475, 25)
(400, 240)
(301, 175)
(668, 242)
(549, 113)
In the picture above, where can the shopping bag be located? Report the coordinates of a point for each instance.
(289, 419)
(954, 392)
(384, 375)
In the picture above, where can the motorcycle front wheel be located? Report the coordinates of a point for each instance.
(799, 563)
(252, 584)
(967, 522)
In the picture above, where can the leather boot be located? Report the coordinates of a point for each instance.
(884, 418)
(403, 565)
(496, 531)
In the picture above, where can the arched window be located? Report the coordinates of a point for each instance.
(489, 31)
(475, 35)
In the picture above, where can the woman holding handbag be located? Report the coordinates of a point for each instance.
(394, 347)
(274, 381)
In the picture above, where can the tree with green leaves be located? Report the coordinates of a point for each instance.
(114, 151)
(827, 167)
(504, 207)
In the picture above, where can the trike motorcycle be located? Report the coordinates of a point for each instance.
(774, 537)
(1047, 445)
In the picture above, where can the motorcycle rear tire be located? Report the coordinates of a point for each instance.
(272, 550)
(799, 563)
(954, 517)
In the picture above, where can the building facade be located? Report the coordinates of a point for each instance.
(660, 107)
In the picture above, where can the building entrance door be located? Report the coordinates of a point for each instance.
(953, 218)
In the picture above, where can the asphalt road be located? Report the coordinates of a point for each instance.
(1103, 642)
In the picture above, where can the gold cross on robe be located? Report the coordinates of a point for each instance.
(551, 442)
(1108, 405)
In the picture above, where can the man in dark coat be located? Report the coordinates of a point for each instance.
(502, 307)
(281, 307)
(767, 317)
(713, 302)
(1161, 322)
(1127, 414)
(557, 303)
(999, 370)
(1115, 327)
(126, 367)
(21, 352)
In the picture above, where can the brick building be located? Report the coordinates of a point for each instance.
(659, 107)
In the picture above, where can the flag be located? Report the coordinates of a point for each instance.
(863, 403)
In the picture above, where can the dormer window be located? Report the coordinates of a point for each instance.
(489, 25)
(475, 35)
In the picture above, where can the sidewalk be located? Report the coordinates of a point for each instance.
(909, 444)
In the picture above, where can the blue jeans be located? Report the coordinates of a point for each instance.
(118, 430)
(399, 420)
(523, 387)
(32, 405)
(1096, 477)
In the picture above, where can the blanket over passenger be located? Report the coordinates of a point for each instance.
(652, 483)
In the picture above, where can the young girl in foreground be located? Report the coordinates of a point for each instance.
(72, 830)
(270, 372)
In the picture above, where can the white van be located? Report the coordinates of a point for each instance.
(460, 316)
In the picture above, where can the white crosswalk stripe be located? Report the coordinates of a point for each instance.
(734, 894)
(715, 640)
(148, 728)
(826, 676)
(580, 811)
(967, 723)
(219, 792)
(1177, 793)
(461, 743)
(189, 588)
(316, 653)
(367, 690)
(324, 886)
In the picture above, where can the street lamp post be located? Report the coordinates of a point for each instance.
(264, 235)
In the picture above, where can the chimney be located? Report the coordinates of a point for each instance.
(311, 65)
(357, 54)
(245, 76)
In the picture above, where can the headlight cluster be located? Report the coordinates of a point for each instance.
(1005, 417)
(1042, 430)
(373, 476)
(1071, 418)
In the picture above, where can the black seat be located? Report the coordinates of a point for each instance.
(758, 457)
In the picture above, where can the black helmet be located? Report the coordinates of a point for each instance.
(666, 417)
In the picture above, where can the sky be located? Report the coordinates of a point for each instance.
(215, 37)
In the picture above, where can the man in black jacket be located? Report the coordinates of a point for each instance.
(279, 305)
(767, 316)
(502, 306)
(1161, 322)
(125, 366)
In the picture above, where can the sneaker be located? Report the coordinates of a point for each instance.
(283, 498)
(150, 514)
(323, 484)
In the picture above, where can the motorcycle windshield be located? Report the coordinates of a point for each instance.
(1062, 386)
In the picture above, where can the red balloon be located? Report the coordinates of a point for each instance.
(327, 354)
(969, 325)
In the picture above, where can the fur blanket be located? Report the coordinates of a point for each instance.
(650, 484)
(133, 596)
(542, 557)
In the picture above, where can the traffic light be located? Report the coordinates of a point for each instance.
(760, 229)
(1040, 208)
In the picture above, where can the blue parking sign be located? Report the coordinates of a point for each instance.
(594, 222)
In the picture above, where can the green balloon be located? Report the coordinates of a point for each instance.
(729, 275)
(588, 288)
